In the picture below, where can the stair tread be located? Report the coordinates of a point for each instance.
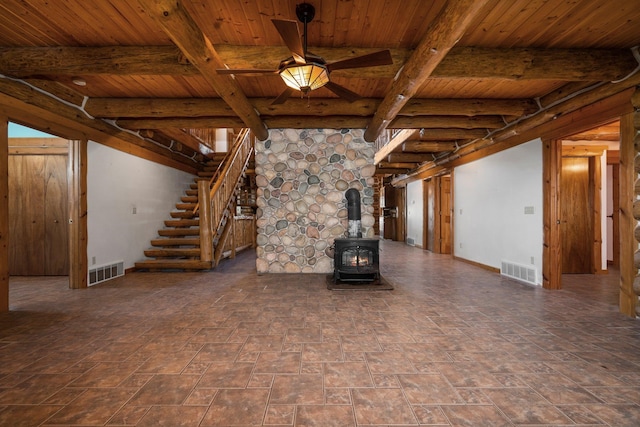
(176, 241)
(181, 222)
(189, 199)
(183, 214)
(174, 264)
(179, 232)
(185, 206)
(172, 252)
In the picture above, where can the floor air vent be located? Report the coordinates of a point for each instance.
(105, 272)
(524, 273)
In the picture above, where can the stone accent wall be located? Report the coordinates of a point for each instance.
(302, 176)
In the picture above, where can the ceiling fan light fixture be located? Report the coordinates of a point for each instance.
(305, 77)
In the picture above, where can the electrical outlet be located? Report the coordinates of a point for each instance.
(93, 260)
(134, 210)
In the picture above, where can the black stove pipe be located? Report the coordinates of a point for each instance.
(353, 212)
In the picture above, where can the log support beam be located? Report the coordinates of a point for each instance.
(445, 31)
(461, 62)
(4, 213)
(630, 209)
(175, 21)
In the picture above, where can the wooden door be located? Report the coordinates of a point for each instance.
(56, 216)
(445, 215)
(401, 220)
(576, 215)
(38, 215)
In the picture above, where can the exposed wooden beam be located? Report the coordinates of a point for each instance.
(444, 32)
(407, 157)
(158, 107)
(461, 62)
(18, 99)
(448, 128)
(583, 150)
(403, 165)
(394, 143)
(603, 133)
(468, 107)
(212, 107)
(96, 60)
(537, 64)
(440, 134)
(447, 122)
(476, 62)
(428, 146)
(604, 103)
(160, 138)
(306, 122)
(380, 171)
(172, 17)
(183, 137)
(181, 123)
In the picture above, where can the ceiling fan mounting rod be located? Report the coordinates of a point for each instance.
(305, 13)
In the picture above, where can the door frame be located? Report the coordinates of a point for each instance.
(77, 209)
(45, 147)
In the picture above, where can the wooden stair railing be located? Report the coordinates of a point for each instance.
(203, 217)
(217, 197)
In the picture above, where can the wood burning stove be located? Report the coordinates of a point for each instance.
(355, 259)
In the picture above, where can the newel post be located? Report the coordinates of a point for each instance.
(206, 234)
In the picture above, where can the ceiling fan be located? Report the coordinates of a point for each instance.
(304, 71)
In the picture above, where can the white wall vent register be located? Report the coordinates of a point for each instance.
(521, 272)
(106, 272)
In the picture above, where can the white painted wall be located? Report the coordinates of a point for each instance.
(415, 214)
(604, 198)
(608, 210)
(490, 196)
(222, 145)
(118, 183)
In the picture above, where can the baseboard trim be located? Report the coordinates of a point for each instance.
(477, 264)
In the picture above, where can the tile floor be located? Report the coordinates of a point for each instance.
(452, 345)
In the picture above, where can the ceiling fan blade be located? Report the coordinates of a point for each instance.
(342, 92)
(283, 96)
(291, 36)
(369, 60)
(244, 71)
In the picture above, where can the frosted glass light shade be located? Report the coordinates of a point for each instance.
(305, 77)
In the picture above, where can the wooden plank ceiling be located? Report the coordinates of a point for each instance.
(463, 70)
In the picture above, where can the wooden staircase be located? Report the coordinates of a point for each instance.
(191, 238)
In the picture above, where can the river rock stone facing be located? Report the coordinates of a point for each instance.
(302, 175)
